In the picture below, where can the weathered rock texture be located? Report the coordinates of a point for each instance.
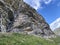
(17, 16)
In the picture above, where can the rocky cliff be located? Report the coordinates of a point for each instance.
(17, 16)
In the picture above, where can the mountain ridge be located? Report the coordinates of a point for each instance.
(21, 17)
(57, 31)
(55, 24)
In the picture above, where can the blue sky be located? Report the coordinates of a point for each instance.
(49, 9)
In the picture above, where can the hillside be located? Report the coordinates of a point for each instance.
(23, 39)
(57, 31)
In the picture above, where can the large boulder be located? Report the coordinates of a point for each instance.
(20, 17)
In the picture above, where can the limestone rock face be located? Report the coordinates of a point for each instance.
(17, 16)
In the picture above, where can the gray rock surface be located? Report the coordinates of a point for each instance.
(17, 16)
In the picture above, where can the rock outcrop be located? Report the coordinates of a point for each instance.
(17, 16)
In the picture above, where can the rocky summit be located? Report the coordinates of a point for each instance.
(17, 16)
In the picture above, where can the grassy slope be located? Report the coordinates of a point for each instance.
(21, 39)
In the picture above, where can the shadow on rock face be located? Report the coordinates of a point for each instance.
(10, 15)
(1, 4)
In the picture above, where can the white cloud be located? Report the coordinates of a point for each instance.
(37, 3)
(47, 1)
(34, 3)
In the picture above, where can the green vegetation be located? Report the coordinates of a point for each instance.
(56, 40)
(23, 39)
